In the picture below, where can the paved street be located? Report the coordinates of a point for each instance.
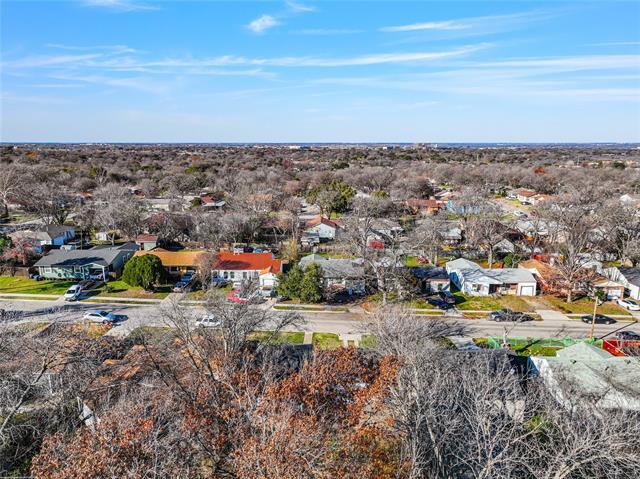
(334, 322)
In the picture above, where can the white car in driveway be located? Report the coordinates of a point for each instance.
(100, 316)
(629, 304)
(73, 293)
(208, 321)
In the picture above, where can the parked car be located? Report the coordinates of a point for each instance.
(629, 304)
(447, 297)
(628, 336)
(520, 214)
(182, 287)
(100, 316)
(208, 321)
(509, 315)
(600, 319)
(439, 303)
(219, 282)
(73, 293)
(37, 277)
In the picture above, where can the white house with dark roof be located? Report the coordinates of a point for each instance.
(472, 279)
(339, 274)
(48, 235)
(627, 277)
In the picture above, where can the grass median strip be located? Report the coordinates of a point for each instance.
(326, 341)
(20, 285)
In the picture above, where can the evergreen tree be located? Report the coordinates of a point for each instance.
(311, 284)
(145, 271)
(289, 283)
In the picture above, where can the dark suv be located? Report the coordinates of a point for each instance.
(600, 319)
(509, 315)
(447, 297)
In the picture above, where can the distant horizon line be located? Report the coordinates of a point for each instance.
(331, 143)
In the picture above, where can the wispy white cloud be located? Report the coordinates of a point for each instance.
(362, 60)
(299, 7)
(38, 61)
(483, 24)
(563, 78)
(327, 31)
(263, 23)
(108, 48)
(446, 25)
(614, 44)
(120, 5)
(102, 61)
(576, 63)
(267, 21)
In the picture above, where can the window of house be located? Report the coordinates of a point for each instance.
(47, 269)
(226, 275)
(244, 275)
(232, 275)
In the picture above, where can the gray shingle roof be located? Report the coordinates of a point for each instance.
(334, 268)
(632, 275)
(101, 256)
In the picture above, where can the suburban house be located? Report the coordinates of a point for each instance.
(612, 289)
(237, 267)
(165, 204)
(208, 203)
(339, 274)
(629, 278)
(472, 279)
(524, 196)
(548, 278)
(146, 242)
(530, 197)
(176, 262)
(451, 234)
(49, 235)
(98, 262)
(432, 280)
(426, 207)
(324, 228)
(585, 372)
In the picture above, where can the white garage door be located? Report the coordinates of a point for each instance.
(526, 291)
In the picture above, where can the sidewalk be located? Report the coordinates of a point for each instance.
(551, 314)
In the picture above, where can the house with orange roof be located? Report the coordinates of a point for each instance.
(176, 262)
(239, 267)
(324, 228)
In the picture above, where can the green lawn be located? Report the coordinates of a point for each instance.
(368, 341)
(421, 304)
(537, 350)
(476, 302)
(326, 341)
(584, 306)
(286, 337)
(286, 307)
(412, 262)
(15, 284)
(123, 290)
(488, 303)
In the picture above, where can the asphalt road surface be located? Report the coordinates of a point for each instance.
(336, 322)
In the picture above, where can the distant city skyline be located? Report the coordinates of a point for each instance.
(325, 72)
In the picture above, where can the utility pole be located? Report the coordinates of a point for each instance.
(597, 295)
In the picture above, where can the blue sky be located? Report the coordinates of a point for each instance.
(208, 71)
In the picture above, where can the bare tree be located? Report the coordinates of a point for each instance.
(575, 222)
